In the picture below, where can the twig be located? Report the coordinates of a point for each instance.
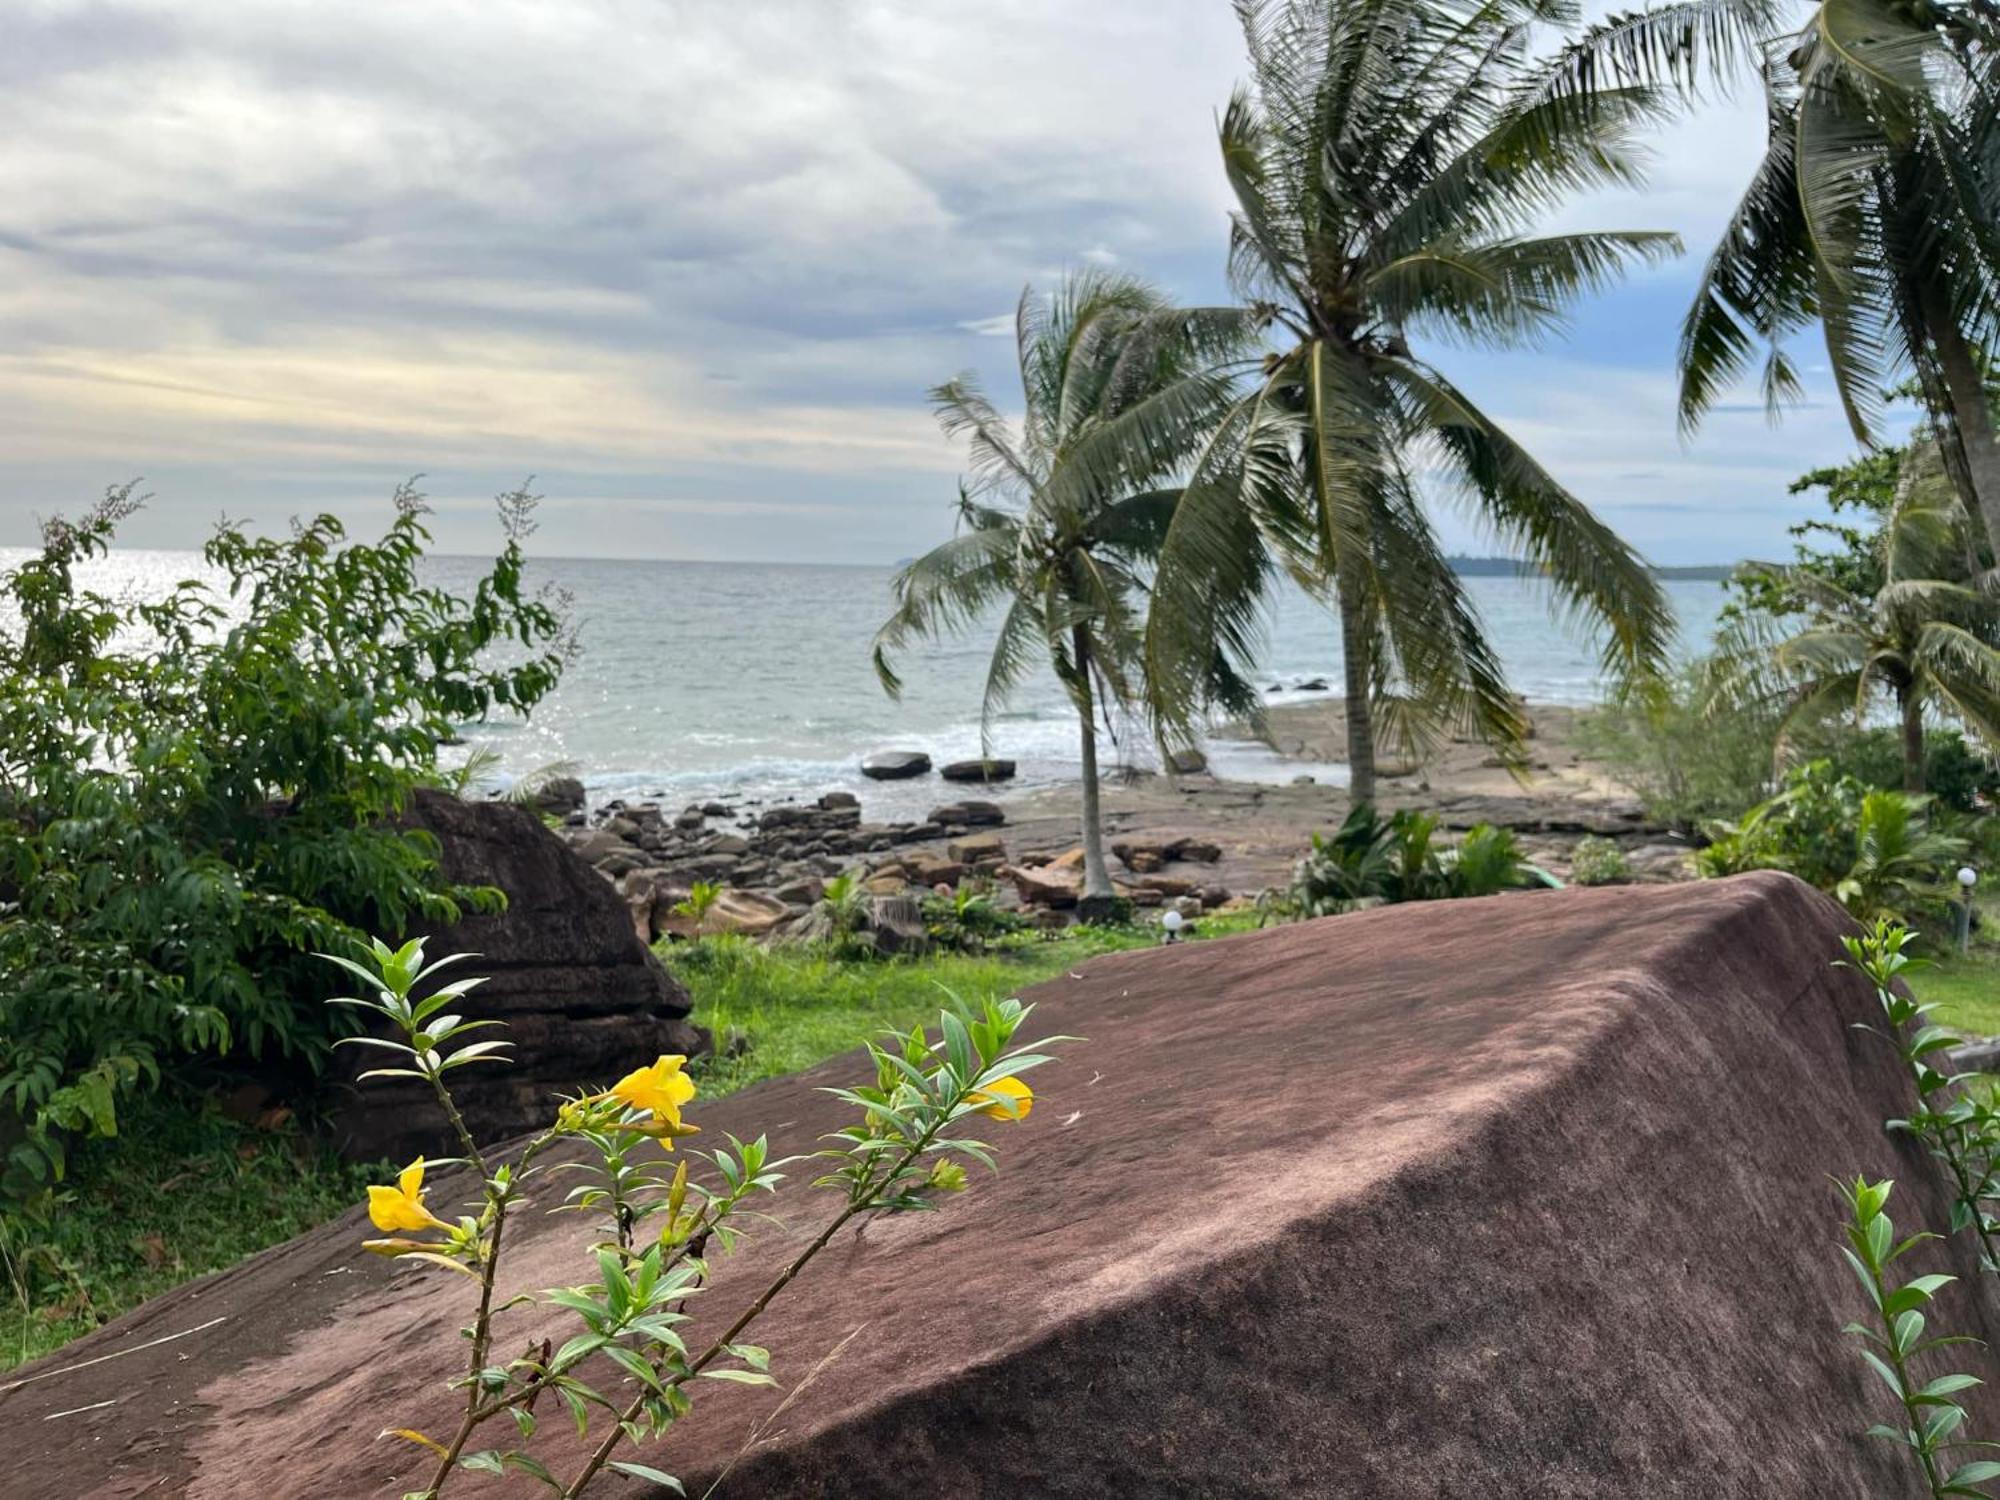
(15, 1385)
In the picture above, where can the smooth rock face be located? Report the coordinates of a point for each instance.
(896, 765)
(584, 1000)
(978, 770)
(1523, 1197)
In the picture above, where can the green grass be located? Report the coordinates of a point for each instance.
(181, 1191)
(794, 1008)
(1966, 988)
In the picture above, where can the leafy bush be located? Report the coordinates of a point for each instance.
(840, 916)
(1956, 775)
(198, 790)
(1873, 850)
(1375, 859)
(1689, 757)
(969, 918)
(1597, 861)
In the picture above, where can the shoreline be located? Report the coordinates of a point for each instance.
(773, 855)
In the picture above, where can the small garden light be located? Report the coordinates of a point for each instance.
(1967, 878)
(1171, 923)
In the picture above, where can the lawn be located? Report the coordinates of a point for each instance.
(1966, 987)
(791, 1008)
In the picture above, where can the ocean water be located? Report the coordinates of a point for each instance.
(698, 680)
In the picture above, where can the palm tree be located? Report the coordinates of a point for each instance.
(1059, 522)
(1873, 213)
(1928, 639)
(1389, 161)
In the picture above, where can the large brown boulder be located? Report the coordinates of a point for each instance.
(1518, 1197)
(584, 1000)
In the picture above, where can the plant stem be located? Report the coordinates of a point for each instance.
(783, 1279)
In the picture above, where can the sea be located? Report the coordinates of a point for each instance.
(754, 682)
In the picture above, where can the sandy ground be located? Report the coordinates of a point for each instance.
(1263, 828)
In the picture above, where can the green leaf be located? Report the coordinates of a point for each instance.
(643, 1471)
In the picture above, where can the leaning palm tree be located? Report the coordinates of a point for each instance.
(1875, 213)
(1389, 162)
(1927, 641)
(1060, 520)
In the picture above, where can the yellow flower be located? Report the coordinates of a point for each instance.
(402, 1206)
(1010, 1099)
(660, 1090)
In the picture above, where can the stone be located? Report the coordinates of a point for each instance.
(969, 814)
(717, 809)
(1313, 685)
(750, 913)
(802, 891)
(621, 827)
(1674, 1066)
(1200, 851)
(978, 770)
(891, 882)
(1045, 885)
(895, 765)
(1167, 885)
(583, 998)
(977, 849)
(597, 845)
(1187, 762)
(896, 924)
(1156, 849)
(558, 796)
(928, 869)
(831, 800)
(1143, 861)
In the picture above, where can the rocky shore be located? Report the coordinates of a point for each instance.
(1183, 836)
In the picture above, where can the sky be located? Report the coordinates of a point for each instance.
(692, 266)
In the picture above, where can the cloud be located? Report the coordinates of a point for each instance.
(280, 253)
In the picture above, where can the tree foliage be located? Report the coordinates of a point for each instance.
(199, 789)
(1060, 521)
(1390, 163)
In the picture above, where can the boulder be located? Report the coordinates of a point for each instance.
(1567, 1237)
(557, 796)
(583, 997)
(750, 913)
(895, 765)
(1045, 885)
(929, 869)
(1187, 762)
(977, 770)
(802, 890)
(831, 800)
(968, 814)
(598, 846)
(977, 849)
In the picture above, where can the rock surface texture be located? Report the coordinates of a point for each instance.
(584, 1000)
(1518, 1197)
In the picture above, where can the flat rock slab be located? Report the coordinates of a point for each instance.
(896, 765)
(1518, 1197)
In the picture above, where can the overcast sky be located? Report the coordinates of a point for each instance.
(692, 265)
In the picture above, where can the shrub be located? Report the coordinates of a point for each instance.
(1597, 861)
(1873, 850)
(631, 1371)
(968, 919)
(198, 790)
(840, 917)
(1956, 775)
(1689, 758)
(1375, 859)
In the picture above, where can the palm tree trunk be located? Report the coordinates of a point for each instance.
(1912, 704)
(1096, 876)
(1360, 712)
(1971, 414)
